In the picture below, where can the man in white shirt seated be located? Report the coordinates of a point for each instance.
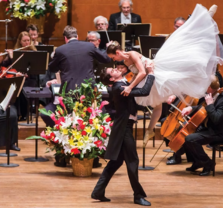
(125, 16)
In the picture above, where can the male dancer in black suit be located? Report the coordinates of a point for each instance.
(74, 60)
(125, 16)
(121, 146)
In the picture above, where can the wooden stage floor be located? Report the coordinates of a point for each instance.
(43, 185)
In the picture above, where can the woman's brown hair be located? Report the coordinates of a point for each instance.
(113, 47)
(18, 42)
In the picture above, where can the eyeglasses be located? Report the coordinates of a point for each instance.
(92, 40)
(102, 24)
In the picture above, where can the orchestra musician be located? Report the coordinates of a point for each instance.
(125, 16)
(13, 114)
(23, 40)
(34, 34)
(211, 131)
(101, 23)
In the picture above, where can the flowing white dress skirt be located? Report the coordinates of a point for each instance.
(186, 61)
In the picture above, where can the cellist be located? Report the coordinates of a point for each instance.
(211, 131)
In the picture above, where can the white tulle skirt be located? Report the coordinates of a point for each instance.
(186, 61)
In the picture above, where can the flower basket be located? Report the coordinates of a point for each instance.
(81, 129)
(82, 168)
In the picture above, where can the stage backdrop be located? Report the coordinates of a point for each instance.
(160, 13)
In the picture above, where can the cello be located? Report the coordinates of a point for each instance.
(172, 124)
(190, 127)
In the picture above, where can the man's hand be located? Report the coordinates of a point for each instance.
(171, 99)
(186, 111)
(49, 83)
(126, 91)
(209, 99)
(149, 67)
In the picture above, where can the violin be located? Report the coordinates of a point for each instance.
(172, 124)
(190, 127)
(7, 74)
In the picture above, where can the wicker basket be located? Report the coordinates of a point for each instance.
(82, 168)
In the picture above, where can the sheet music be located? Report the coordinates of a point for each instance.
(102, 88)
(4, 104)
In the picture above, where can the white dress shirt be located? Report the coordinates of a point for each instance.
(126, 19)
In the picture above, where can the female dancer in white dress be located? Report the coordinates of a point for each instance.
(183, 66)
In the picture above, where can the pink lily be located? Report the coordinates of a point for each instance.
(42, 134)
(52, 116)
(95, 112)
(81, 98)
(61, 102)
(103, 103)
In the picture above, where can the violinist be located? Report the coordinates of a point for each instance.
(211, 129)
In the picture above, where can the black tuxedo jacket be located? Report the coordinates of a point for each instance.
(215, 115)
(124, 106)
(116, 18)
(75, 62)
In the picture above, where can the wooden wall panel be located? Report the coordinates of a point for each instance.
(161, 13)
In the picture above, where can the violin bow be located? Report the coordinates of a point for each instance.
(12, 65)
(180, 112)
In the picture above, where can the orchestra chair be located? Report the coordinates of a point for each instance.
(215, 146)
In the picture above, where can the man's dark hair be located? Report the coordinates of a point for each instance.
(32, 27)
(179, 18)
(105, 77)
(70, 32)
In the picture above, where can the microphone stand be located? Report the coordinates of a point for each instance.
(6, 31)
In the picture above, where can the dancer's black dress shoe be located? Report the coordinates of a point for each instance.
(173, 161)
(100, 198)
(142, 202)
(13, 147)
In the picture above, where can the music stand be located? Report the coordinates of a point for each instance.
(5, 85)
(148, 42)
(153, 52)
(33, 63)
(113, 35)
(134, 30)
(48, 48)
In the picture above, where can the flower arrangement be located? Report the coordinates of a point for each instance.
(25, 9)
(81, 128)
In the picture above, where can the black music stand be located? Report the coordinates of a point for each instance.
(147, 42)
(31, 92)
(48, 48)
(34, 63)
(113, 35)
(153, 52)
(134, 30)
(5, 85)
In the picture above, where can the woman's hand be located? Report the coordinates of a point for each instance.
(10, 52)
(109, 43)
(126, 91)
(149, 67)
